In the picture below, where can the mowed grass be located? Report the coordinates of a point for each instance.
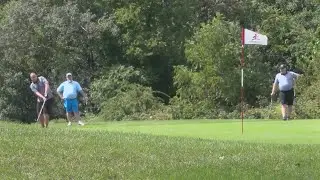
(261, 131)
(160, 150)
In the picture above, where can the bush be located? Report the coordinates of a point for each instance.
(16, 99)
(135, 103)
(120, 94)
(164, 113)
(263, 113)
(308, 103)
(183, 109)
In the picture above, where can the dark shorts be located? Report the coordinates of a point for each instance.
(287, 97)
(47, 109)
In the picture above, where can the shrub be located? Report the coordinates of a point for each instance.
(120, 94)
(308, 103)
(183, 109)
(135, 103)
(263, 113)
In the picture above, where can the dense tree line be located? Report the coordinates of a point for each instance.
(158, 59)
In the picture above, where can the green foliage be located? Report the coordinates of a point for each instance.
(184, 109)
(264, 113)
(52, 40)
(12, 104)
(187, 51)
(134, 103)
(119, 95)
(212, 78)
(114, 81)
(309, 103)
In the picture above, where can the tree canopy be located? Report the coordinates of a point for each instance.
(158, 59)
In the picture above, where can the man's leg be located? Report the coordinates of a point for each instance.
(45, 116)
(47, 111)
(46, 120)
(69, 118)
(283, 105)
(290, 99)
(75, 109)
(77, 118)
(41, 119)
(68, 108)
(284, 111)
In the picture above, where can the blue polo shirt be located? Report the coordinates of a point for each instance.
(69, 89)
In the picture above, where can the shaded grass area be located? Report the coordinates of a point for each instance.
(28, 152)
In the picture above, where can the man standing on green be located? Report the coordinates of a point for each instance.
(285, 80)
(40, 87)
(68, 91)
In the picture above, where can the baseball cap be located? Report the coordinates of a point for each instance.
(282, 66)
(68, 74)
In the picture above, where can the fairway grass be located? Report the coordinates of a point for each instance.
(138, 150)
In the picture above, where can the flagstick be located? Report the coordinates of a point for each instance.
(242, 89)
(254, 38)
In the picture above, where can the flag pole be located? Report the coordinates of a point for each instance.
(257, 39)
(242, 66)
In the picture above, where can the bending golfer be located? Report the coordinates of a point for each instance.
(40, 86)
(285, 80)
(68, 91)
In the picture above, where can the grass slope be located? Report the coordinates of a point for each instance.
(28, 152)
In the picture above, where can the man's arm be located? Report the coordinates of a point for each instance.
(40, 95)
(275, 86)
(83, 94)
(295, 75)
(60, 91)
(60, 95)
(46, 86)
(36, 92)
(80, 90)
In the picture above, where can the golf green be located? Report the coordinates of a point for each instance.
(284, 132)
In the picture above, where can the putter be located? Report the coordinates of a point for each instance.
(41, 110)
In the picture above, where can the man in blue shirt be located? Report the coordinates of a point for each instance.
(285, 80)
(68, 91)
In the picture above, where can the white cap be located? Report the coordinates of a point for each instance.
(68, 74)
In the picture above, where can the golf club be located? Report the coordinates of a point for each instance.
(270, 107)
(294, 98)
(41, 110)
